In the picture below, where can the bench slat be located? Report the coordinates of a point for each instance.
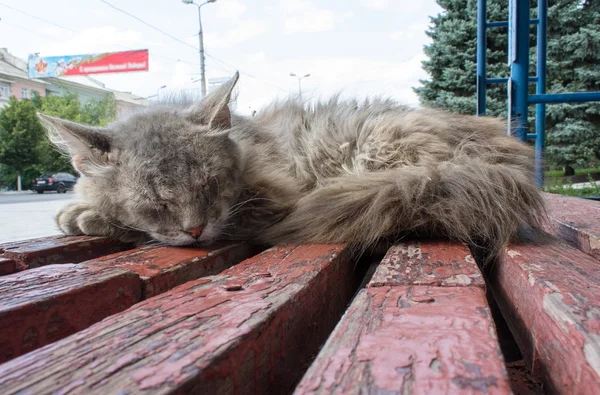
(7, 266)
(59, 249)
(251, 329)
(576, 221)
(428, 263)
(163, 268)
(42, 305)
(411, 340)
(422, 325)
(550, 297)
(155, 270)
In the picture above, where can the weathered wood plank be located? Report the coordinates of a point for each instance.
(59, 249)
(42, 305)
(411, 340)
(163, 268)
(576, 221)
(7, 266)
(550, 297)
(436, 263)
(251, 329)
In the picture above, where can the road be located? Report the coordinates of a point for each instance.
(31, 215)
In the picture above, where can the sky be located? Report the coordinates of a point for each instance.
(358, 48)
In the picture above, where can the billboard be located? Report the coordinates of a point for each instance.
(98, 63)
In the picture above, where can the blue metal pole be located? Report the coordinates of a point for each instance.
(481, 56)
(519, 64)
(540, 108)
(577, 97)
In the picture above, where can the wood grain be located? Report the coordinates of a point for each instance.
(436, 263)
(251, 329)
(42, 305)
(411, 340)
(59, 249)
(576, 221)
(163, 268)
(550, 297)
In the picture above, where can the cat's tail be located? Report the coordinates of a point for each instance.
(472, 201)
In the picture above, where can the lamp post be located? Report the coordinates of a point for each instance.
(299, 82)
(201, 42)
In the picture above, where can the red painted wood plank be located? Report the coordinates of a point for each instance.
(163, 268)
(550, 297)
(576, 221)
(7, 266)
(411, 340)
(251, 329)
(59, 249)
(42, 305)
(436, 263)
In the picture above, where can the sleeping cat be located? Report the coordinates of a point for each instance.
(339, 171)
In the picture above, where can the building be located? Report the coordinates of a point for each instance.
(15, 81)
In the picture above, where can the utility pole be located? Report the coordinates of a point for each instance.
(200, 43)
(299, 83)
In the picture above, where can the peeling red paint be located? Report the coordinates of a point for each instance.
(42, 305)
(7, 266)
(59, 249)
(576, 221)
(163, 268)
(382, 346)
(550, 296)
(201, 338)
(435, 263)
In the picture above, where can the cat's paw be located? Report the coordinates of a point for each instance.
(67, 218)
(82, 219)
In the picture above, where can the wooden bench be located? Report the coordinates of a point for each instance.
(87, 315)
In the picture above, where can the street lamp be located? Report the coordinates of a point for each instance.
(299, 82)
(201, 41)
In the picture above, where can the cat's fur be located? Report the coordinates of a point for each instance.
(340, 171)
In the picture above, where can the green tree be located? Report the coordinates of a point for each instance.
(452, 58)
(573, 66)
(69, 107)
(20, 134)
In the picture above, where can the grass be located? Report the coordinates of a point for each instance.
(560, 173)
(556, 186)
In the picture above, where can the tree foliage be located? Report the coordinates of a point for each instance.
(20, 134)
(573, 66)
(24, 146)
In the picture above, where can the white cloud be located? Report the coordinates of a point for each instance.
(409, 32)
(242, 32)
(310, 22)
(96, 39)
(377, 4)
(229, 9)
(291, 6)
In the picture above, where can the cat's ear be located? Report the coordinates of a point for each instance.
(213, 110)
(88, 146)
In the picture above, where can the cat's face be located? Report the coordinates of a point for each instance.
(171, 172)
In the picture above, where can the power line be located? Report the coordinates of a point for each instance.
(187, 44)
(75, 31)
(149, 25)
(37, 17)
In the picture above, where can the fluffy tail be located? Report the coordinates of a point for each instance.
(468, 200)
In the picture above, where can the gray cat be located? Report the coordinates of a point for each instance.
(339, 171)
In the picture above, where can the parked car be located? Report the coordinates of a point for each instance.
(59, 182)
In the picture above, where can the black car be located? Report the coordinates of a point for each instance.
(59, 182)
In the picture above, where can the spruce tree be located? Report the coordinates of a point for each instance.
(573, 137)
(452, 58)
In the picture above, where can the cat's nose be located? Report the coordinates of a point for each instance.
(195, 232)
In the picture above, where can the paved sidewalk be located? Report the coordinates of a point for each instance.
(29, 220)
